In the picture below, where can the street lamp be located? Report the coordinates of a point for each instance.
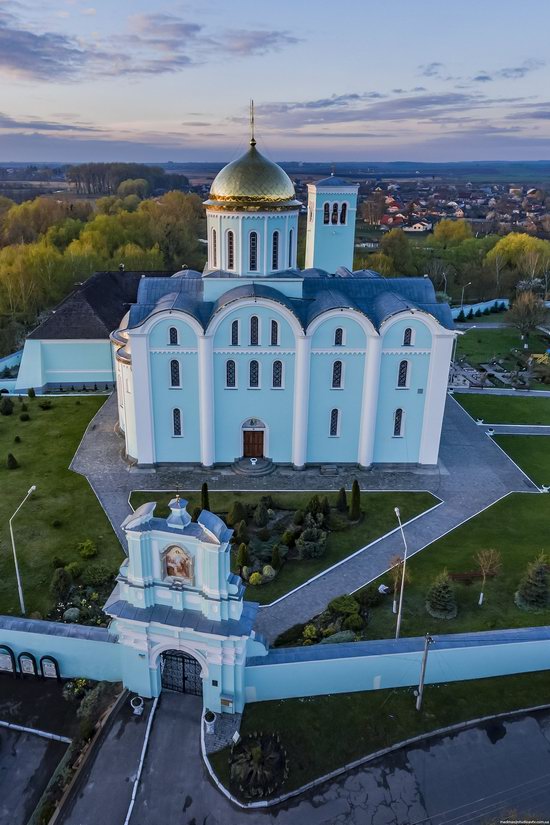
(19, 588)
(400, 609)
(462, 298)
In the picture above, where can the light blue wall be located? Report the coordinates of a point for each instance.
(455, 311)
(331, 245)
(66, 363)
(165, 398)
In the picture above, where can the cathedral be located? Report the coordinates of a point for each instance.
(254, 362)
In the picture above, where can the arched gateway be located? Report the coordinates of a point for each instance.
(178, 611)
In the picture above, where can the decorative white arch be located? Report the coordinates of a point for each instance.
(185, 646)
(345, 312)
(268, 303)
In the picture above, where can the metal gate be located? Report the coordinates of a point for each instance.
(180, 672)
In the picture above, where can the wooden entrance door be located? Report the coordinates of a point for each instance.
(253, 446)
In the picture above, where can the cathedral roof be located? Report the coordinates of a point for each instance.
(252, 182)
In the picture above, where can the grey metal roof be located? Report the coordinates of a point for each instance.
(334, 181)
(73, 631)
(186, 619)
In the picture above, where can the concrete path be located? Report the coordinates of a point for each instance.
(516, 429)
(482, 772)
(473, 473)
(502, 391)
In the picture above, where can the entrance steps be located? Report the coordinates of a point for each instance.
(253, 467)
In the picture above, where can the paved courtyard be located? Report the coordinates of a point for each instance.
(473, 473)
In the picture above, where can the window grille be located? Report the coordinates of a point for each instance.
(343, 212)
(230, 250)
(230, 374)
(337, 375)
(173, 335)
(398, 422)
(326, 213)
(407, 337)
(334, 213)
(235, 334)
(290, 247)
(274, 333)
(334, 416)
(254, 331)
(339, 337)
(214, 248)
(176, 422)
(275, 251)
(254, 374)
(403, 374)
(175, 373)
(253, 251)
(277, 374)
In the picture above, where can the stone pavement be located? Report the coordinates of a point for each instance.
(473, 473)
(481, 772)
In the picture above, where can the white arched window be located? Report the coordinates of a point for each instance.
(398, 423)
(407, 337)
(253, 251)
(334, 218)
(254, 376)
(175, 375)
(343, 212)
(277, 375)
(176, 422)
(275, 250)
(235, 334)
(326, 213)
(403, 374)
(334, 422)
(337, 375)
(230, 250)
(274, 334)
(173, 336)
(290, 247)
(214, 248)
(338, 337)
(254, 331)
(230, 374)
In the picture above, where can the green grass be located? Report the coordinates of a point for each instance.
(378, 518)
(323, 733)
(480, 346)
(48, 443)
(531, 453)
(517, 526)
(506, 409)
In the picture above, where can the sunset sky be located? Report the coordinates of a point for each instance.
(353, 79)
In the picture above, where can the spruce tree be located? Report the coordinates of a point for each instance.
(236, 513)
(205, 499)
(533, 592)
(241, 532)
(275, 557)
(342, 501)
(325, 506)
(355, 506)
(242, 556)
(12, 462)
(260, 515)
(440, 599)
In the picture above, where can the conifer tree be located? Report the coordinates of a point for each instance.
(12, 462)
(242, 556)
(342, 501)
(241, 532)
(440, 600)
(261, 516)
(205, 499)
(355, 506)
(236, 513)
(325, 506)
(533, 592)
(275, 557)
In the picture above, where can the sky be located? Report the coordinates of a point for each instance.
(136, 80)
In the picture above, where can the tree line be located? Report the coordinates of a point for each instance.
(105, 178)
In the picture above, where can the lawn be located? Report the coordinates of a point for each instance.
(506, 409)
(61, 513)
(531, 453)
(480, 346)
(323, 733)
(517, 526)
(378, 518)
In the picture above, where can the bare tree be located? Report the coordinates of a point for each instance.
(396, 575)
(527, 312)
(489, 564)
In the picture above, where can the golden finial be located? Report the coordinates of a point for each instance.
(252, 138)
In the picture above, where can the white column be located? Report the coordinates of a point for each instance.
(206, 398)
(301, 400)
(142, 399)
(435, 397)
(369, 401)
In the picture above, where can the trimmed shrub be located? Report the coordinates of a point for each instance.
(57, 561)
(260, 515)
(255, 578)
(314, 505)
(338, 638)
(6, 405)
(45, 404)
(74, 568)
(268, 572)
(205, 498)
(87, 549)
(241, 533)
(264, 534)
(312, 543)
(195, 514)
(461, 317)
(344, 606)
(276, 557)
(477, 313)
(60, 584)
(342, 501)
(31, 393)
(533, 592)
(309, 636)
(288, 538)
(17, 439)
(325, 506)
(470, 315)
(24, 417)
(12, 463)
(23, 406)
(298, 517)
(245, 573)
(236, 513)
(353, 622)
(57, 523)
(96, 575)
(242, 555)
(355, 506)
(440, 600)
(369, 597)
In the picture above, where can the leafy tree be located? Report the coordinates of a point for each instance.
(135, 186)
(355, 506)
(451, 233)
(395, 245)
(342, 501)
(441, 600)
(205, 498)
(526, 313)
(489, 564)
(380, 262)
(533, 592)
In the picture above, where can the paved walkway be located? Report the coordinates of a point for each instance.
(468, 777)
(502, 391)
(472, 474)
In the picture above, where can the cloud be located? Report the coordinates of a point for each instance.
(482, 77)
(31, 124)
(515, 72)
(246, 43)
(430, 69)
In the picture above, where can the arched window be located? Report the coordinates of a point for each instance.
(214, 248)
(235, 334)
(175, 378)
(176, 422)
(407, 337)
(403, 374)
(290, 247)
(274, 334)
(230, 374)
(275, 251)
(254, 374)
(337, 375)
(339, 337)
(277, 374)
(254, 331)
(326, 213)
(398, 422)
(334, 422)
(173, 336)
(334, 218)
(253, 251)
(343, 212)
(230, 250)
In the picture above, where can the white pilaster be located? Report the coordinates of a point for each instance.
(206, 398)
(369, 401)
(301, 400)
(435, 398)
(145, 439)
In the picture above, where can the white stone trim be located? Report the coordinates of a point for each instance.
(369, 403)
(301, 401)
(206, 400)
(435, 397)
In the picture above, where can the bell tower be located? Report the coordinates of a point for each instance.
(330, 236)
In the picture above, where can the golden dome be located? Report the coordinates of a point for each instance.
(252, 182)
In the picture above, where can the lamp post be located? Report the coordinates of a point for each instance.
(399, 611)
(19, 588)
(462, 298)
